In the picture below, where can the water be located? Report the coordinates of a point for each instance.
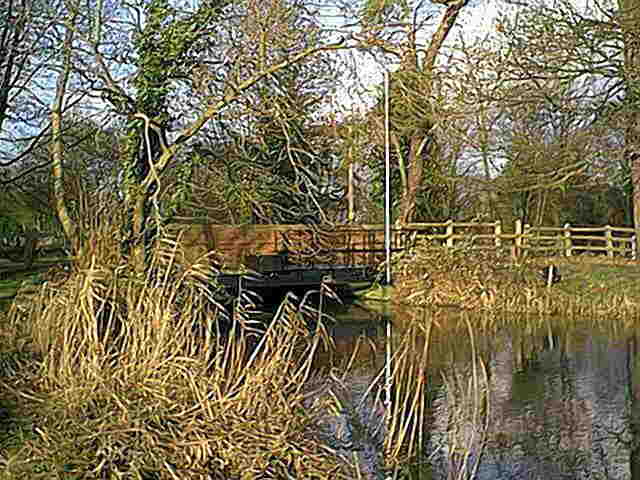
(523, 399)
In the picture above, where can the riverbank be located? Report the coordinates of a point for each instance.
(474, 280)
(104, 375)
(81, 396)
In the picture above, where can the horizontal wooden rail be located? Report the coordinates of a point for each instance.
(356, 244)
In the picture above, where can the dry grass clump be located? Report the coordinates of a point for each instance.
(147, 379)
(462, 277)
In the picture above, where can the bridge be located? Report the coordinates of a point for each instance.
(290, 256)
(351, 245)
(297, 257)
(293, 256)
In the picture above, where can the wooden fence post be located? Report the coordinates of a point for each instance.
(351, 211)
(526, 231)
(450, 233)
(30, 244)
(567, 240)
(497, 231)
(517, 240)
(608, 235)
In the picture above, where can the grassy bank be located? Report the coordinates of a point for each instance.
(104, 374)
(475, 280)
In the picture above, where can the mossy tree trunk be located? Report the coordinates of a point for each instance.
(422, 144)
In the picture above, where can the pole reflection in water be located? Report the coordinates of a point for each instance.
(542, 399)
(349, 390)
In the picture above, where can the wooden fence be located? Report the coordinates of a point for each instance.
(364, 244)
(525, 239)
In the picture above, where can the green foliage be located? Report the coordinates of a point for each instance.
(166, 51)
(9, 226)
(19, 213)
(156, 64)
(181, 190)
(380, 11)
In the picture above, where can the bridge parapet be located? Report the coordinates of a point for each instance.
(364, 244)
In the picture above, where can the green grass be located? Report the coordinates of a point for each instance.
(9, 288)
(598, 276)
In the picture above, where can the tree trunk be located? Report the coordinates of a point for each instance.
(57, 148)
(142, 229)
(630, 21)
(414, 180)
(420, 139)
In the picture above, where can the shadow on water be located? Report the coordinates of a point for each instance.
(515, 399)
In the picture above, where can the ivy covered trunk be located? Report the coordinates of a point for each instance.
(420, 139)
(145, 143)
(142, 225)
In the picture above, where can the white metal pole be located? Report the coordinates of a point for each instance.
(387, 181)
(387, 246)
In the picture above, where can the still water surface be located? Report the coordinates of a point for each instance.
(538, 398)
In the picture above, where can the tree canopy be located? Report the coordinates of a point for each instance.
(231, 111)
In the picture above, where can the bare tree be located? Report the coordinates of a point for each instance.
(28, 49)
(188, 66)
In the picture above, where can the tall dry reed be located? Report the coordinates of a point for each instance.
(148, 378)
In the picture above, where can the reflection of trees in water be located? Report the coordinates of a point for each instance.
(557, 409)
(352, 420)
(554, 404)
